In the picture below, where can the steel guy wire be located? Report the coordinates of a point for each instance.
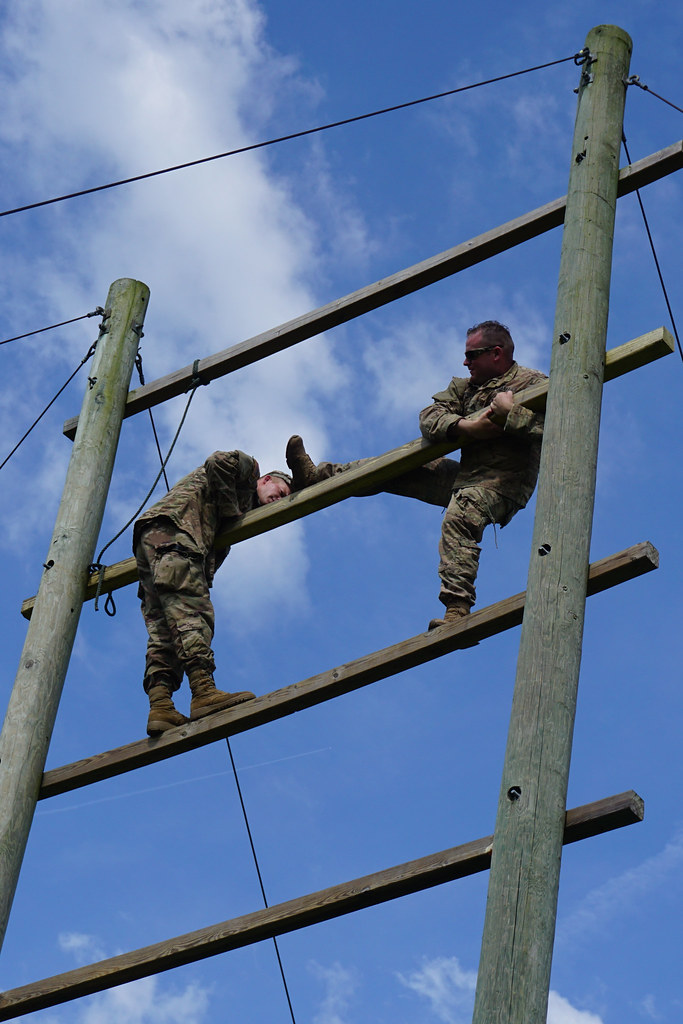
(654, 256)
(578, 58)
(84, 360)
(635, 80)
(260, 878)
(138, 366)
(96, 312)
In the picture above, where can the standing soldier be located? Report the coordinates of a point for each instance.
(498, 467)
(498, 464)
(174, 549)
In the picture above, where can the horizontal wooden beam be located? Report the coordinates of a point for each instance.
(618, 361)
(358, 894)
(411, 279)
(417, 650)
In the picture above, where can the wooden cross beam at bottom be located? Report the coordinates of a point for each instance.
(435, 869)
(417, 650)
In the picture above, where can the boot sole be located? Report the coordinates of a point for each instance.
(223, 706)
(157, 726)
(437, 623)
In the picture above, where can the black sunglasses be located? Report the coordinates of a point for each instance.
(474, 353)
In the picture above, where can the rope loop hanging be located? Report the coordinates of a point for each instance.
(98, 566)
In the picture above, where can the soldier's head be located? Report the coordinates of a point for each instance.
(489, 351)
(272, 486)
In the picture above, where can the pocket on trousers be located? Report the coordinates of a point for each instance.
(172, 569)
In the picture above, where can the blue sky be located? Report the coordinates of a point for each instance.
(97, 91)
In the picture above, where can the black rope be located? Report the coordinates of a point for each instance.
(635, 80)
(576, 57)
(260, 878)
(96, 312)
(84, 360)
(138, 365)
(654, 255)
(98, 566)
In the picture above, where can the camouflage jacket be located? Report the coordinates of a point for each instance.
(205, 501)
(508, 464)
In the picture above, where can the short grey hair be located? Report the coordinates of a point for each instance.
(494, 333)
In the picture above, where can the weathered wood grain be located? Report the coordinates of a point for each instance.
(358, 894)
(51, 633)
(519, 927)
(417, 650)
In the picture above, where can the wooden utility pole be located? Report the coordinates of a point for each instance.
(514, 970)
(45, 658)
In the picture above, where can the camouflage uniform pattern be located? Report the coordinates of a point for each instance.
(496, 478)
(432, 482)
(173, 542)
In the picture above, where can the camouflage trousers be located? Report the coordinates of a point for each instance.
(176, 605)
(432, 482)
(469, 512)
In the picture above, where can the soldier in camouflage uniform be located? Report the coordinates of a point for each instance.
(432, 482)
(499, 464)
(174, 549)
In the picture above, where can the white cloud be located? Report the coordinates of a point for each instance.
(94, 92)
(42, 489)
(144, 1002)
(450, 989)
(147, 1001)
(225, 248)
(560, 1011)
(84, 948)
(624, 892)
(263, 577)
(532, 116)
(418, 357)
(407, 365)
(447, 986)
(334, 203)
(649, 1009)
(340, 984)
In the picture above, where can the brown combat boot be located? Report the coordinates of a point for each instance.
(162, 711)
(454, 610)
(301, 464)
(206, 699)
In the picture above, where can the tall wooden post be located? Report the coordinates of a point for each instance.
(516, 956)
(45, 658)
